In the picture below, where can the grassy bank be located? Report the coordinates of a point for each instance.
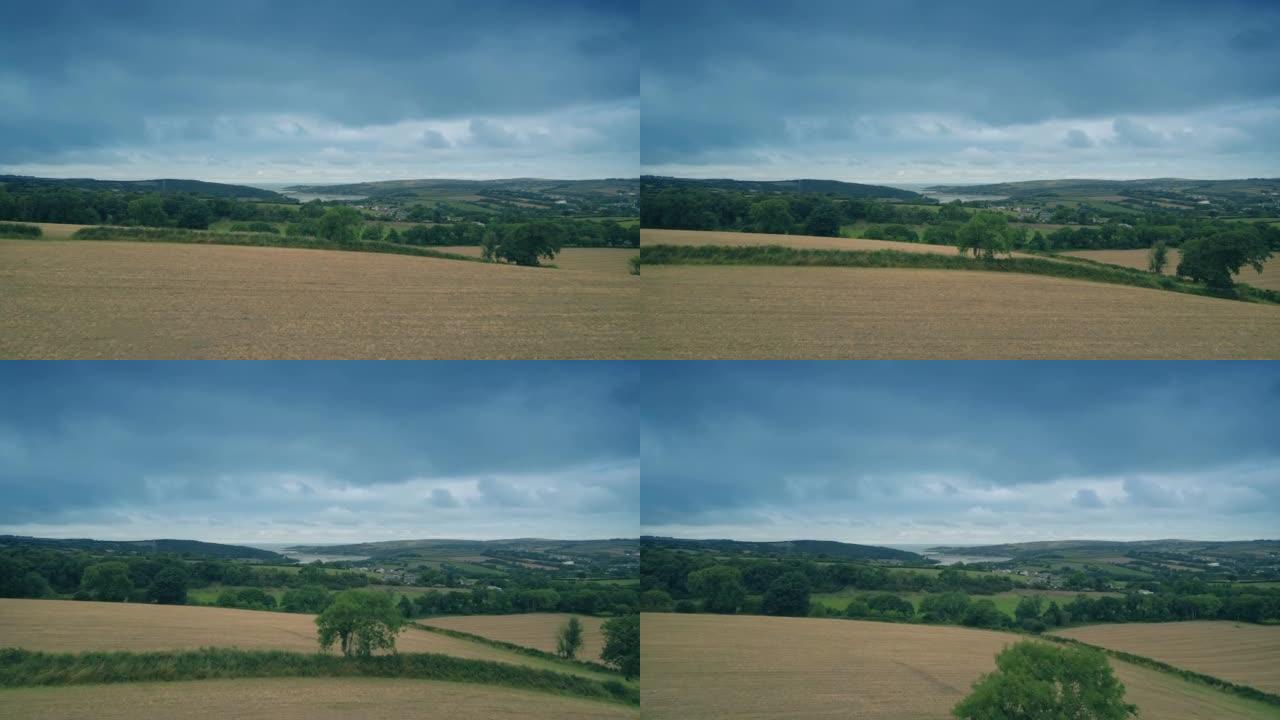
(523, 650)
(786, 256)
(19, 230)
(26, 668)
(176, 235)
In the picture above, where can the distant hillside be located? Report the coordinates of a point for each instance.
(1261, 196)
(1204, 547)
(606, 186)
(449, 546)
(834, 188)
(194, 548)
(826, 548)
(479, 200)
(199, 187)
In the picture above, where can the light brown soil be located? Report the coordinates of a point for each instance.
(535, 630)
(87, 299)
(736, 239)
(606, 260)
(1238, 652)
(1268, 279)
(703, 666)
(297, 698)
(710, 312)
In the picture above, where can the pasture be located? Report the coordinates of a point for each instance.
(1268, 279)
(297, 698)
(534, 630)
(86, 299)
(705, 666)
(1239, 652)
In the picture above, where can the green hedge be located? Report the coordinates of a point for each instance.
(19, 230)
(531, 652)
(788, 256)
(26, 668)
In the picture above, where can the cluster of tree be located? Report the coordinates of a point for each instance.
(1137, 234)
(1034, 681)
(493, 600)
(111, 207)
(571, 233)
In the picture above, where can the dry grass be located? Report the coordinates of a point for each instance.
(58, 231)
(710, 312)
(1239, 652)
(702, 666)
(287, 699)
(736, 239)
(77, 300)
(1269, 278)
(534, 630)
(604, 260)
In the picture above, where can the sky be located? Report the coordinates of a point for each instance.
(319, 91)
(960, 452)
(301, 452)
(915, 91)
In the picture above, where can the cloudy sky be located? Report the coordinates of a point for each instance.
(955, 452)
(248, 91)
(936, 92)
(319, 452)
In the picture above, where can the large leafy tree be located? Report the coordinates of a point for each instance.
(169, 587)
(361, 622)
(1215, 258)
(720, 587)
(107, 581)
(622, 645)
(340, 223)
(986, 235)
(569, 638)
(526, 244)
(1037, 681)
(788, 595)
(772, 216)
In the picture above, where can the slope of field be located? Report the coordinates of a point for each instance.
(535, 630)
(1268, 279)
(712, 312)
(737, 239)
(76, 300)
(703, 666)
(1239, 652)
(286, 699)
(606, 260)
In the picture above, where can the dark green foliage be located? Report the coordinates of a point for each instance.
(788, 595)
(771, 216)
(1158, 257)
(947, 607)
(984, 614)
(1035, 681)
(523, 650)
(246, 599)
(25, 668)
(1216, 258)
(340, 224)
(986, 235)
(823, 221)
(655, 600)
(360, 622)
(311, 599)
(720, 588)
(527, 244)
(686, 606)
(18, 582)
(569, 638)
(622, 645)
(169, 587)
(406, 607)
(19, 230)
(108, 581)
(892, 232)
(258, 227)
(1029, 607)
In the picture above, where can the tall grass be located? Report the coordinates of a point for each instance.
(788, 256)
(19, 230)
(26, 667)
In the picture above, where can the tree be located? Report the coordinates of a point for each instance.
(372, 232)
(361, 621)
(406, 606)
(772, 216)
(169, 587)
(823, 220)
(788, 595)
(655, 600)
(107, 581)
(1037, 681)
(1158, 257)
(526, 245)
(148, 210)
(983, 613)
(622, 645)
(340, 223)
(1215, 258)
(569, 638)
(306, 599)
(986, 234)
(1029, 608)
(720, 587)
(947, 607)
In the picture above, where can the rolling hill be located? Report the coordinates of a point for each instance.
(198, 187)
(787, 548)
(193, 548)
(835, 188)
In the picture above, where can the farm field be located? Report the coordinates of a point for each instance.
(535, 630)
(290, 698)
(1238, 652)
(749, 312)
(703, 666)
(87, 299)
(605, 260)
(1269, 278)
(737, 239)
(1006, 602)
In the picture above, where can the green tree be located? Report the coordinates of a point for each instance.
(1029, 608)
(823, 220)
(947, 607)
(772, 216)
(985, 235)
(622, 645)
(1037, 681)
(361, 621)
(655, 600)
(306, 599)
(1054, 615)
(788, 595)
(526, 244)
(340, 223)
(373, 232)
(569, 638)
(720, 588)
(983, 613)
(1158, 257)
(169, 587)
(107, 581)
(406, 606)
(1215, 258)
(148, 210)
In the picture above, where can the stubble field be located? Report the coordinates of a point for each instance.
(1269, 278)
(704, 666)
(534, 630)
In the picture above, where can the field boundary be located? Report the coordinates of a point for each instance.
(522, 649)
(25, 668)
(1245, 691)
(778, 255)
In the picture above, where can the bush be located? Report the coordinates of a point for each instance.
(259, 227)
(20, 230)
(686, 606)
(1036, 681)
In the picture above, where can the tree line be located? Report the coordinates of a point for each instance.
(102, 207)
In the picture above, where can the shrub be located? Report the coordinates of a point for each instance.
(20, 230)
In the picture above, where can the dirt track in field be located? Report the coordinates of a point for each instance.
(1268, 279)
(702, 666)
(1239, 652)
(535, 630)
(296, 699)
(85, 299)
(749, 312)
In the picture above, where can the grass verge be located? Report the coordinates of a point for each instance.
(19, 230)
(523, 650)
(786, 256)
(27, 668)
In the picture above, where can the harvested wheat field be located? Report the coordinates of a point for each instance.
(705, 666)
(1239, 652)
(712, 312)
(1269, 278)
(737, 239)
(289, 698)
(535, 630)
(606, 260)
(86, 299)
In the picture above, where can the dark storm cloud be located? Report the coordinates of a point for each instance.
(722, 82)
(391, 445)
(80, 80)
(802, 449)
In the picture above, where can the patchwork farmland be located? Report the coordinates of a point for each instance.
(534, 630)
